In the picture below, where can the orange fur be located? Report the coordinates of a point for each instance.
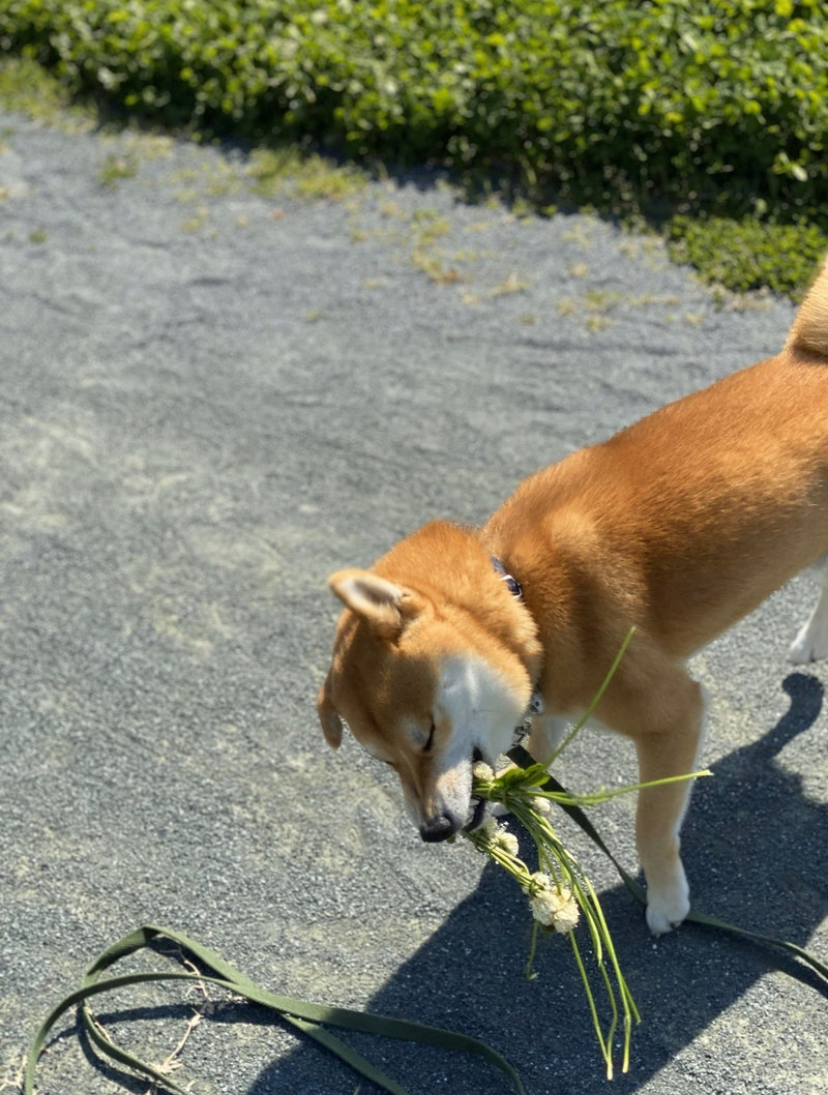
(680, 525)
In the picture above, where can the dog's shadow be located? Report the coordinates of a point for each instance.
(756, 849)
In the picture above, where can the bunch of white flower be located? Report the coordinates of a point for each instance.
(558, 891)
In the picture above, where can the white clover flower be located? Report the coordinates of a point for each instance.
(507, 841)
(483, 772)
(555, 908)
(538, 882)
(541, 805)
(568, 915)
(542, 909)
(494, 835)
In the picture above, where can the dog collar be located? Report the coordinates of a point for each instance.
(536, 704)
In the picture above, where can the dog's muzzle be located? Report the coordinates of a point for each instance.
(445, 825)
(441, 827)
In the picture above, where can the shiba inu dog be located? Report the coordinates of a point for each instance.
(679, 525)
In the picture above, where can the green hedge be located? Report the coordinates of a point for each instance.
(711, 103)
(746, 254)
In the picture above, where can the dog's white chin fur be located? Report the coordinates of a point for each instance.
(483, 709)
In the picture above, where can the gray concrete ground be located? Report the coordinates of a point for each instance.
(210, 399)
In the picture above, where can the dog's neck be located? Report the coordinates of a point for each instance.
(451, 567)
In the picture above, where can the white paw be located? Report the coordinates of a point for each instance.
(810, 645)
(667, 908)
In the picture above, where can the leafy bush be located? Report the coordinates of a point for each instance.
(676, 99)
(747, 254)
(719, 105)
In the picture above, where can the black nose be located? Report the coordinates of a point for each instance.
(437, 828)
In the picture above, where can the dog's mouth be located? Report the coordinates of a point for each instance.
(477, 806)
(477, 814)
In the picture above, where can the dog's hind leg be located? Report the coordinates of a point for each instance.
(811, 643)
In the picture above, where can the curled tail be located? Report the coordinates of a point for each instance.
(809, 333)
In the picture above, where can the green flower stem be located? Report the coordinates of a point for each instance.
(606, 1048)
(518, 789)
(556, 861)
(533, 947)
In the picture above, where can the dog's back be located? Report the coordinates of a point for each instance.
(704, 507)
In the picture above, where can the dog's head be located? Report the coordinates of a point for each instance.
(431, 669)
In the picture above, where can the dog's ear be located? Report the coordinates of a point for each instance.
(376, 600)
(331, 722)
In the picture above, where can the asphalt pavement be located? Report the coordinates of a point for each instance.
(213, 394)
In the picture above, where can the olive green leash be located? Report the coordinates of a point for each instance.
(307, 1017)
(310, 1018)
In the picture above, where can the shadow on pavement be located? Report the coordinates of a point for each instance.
(756, 852)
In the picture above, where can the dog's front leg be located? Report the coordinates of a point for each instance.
(548, 731)
(671, 750)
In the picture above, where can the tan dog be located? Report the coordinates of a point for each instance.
(680, 525)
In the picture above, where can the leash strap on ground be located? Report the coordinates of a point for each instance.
(309, 1017)
(522, 758)
(306, 1017)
